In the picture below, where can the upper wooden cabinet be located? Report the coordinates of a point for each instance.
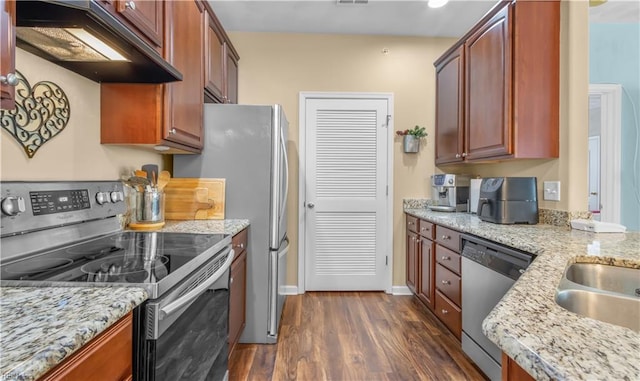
(497, 93)
(221, 62)
(167, 116)
(145, 16)
(7, 54)
(450, 107)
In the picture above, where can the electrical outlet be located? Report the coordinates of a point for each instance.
(551, 190)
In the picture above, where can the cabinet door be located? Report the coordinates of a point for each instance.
(185, 98)
(106, 357)
(237, 299)
(145, 15)
(412, 248)
(7, 51)
(426, 280)
(488, 89)
(214, 59)
(231, 83)
(450, 107)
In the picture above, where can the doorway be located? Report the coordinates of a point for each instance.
(345, 209)
(605, 113)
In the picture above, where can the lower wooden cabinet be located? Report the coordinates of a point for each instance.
(238, 289)
(449, 313)
(108, 357)
(426, 283)
(412, 261)
(511, 371)
(433, 270)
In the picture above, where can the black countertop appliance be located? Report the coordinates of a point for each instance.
(508, 200)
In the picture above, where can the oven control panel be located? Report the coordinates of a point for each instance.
(49, 202)
(27, 206)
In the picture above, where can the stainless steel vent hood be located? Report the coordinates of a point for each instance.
(60, 32)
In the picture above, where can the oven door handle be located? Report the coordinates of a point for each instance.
(197, 291)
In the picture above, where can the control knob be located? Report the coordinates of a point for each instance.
(12, 206)
(103, 197)
(117, 196)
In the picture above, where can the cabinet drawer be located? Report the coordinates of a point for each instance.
(426, 229)
(239, 242)
(448, 237)
(412, 223)
(449, 314)
(448, 283)
(448, 259)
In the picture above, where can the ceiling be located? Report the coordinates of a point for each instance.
(379, 17)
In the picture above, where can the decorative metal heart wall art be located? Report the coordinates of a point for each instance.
(41, 113)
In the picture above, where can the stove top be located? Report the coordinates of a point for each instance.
(151, 260)
(68, 233)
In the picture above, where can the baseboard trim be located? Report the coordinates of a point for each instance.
(401, 290)
(395, 290)
(289, 290)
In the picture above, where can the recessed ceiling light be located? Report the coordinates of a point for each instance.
(437, 3)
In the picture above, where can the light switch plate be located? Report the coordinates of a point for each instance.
(551, 190)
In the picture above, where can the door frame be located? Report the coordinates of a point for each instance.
(302, 112)
(610, 130)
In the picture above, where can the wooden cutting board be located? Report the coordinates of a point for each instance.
(194, 199)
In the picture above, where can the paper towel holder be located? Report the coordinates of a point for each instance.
(474, 195)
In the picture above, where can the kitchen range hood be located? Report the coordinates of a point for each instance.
(85, 38)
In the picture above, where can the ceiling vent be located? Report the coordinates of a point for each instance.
(342, 2)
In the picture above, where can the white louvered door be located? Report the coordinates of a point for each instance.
(346, 180)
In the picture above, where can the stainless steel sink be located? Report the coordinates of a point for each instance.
(606, 293)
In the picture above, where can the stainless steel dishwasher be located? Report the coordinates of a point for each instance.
(488, 272)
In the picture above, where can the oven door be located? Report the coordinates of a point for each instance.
(186, 330)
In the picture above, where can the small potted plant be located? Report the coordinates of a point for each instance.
(411, 138)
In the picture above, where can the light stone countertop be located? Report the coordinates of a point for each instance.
(42, 326)
(546, 340)
(230, 226)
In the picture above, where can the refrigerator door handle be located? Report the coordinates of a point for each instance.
(283, 202)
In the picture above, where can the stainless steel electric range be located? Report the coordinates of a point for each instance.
(69, 234)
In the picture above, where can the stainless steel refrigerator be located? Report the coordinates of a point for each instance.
(246, 145)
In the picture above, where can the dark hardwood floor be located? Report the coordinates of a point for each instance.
(355, 336)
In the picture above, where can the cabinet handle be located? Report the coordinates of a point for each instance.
(445, 258)
(446, 282)
(464, 154)
(231, 280)
(457, 156)
(446, 237)
(444, 312)
(173, 131)
(413, 238)
(240, 245)
(131, 5)
(10, 79)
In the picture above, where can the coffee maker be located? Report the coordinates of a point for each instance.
(449, 192)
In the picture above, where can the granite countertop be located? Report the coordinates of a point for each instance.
(546, 340)
(41, 327)
(230, 226)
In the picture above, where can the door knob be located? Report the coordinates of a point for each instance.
(311, 205)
